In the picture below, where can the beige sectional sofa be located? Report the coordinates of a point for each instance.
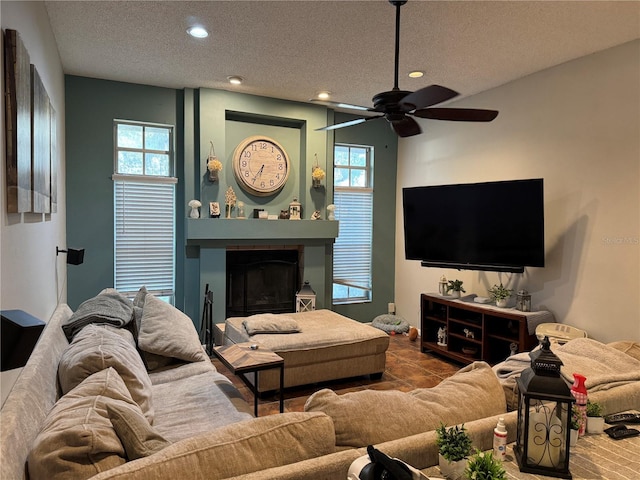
(183, 419)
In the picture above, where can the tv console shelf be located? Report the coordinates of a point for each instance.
(476, 331)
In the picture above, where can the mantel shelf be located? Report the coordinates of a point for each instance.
(203, 229)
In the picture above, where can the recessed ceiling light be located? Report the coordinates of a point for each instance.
(416, 74)
(324, 95)
(198, 32)
(235, 79)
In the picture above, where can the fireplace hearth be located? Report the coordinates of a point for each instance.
(262, 281)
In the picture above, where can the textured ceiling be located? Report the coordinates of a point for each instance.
(293, 49)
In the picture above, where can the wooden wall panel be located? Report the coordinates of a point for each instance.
(41, 145)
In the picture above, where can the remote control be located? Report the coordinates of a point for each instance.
(619, 432)
(623, 418)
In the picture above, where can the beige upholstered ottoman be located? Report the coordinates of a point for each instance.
(329, 346)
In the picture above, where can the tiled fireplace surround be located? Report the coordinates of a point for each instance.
(313, 238)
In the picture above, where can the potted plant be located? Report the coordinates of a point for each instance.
(454, 445)
(483, 466)
(500, 294)
(455, 286)
(576, 420)
(595, 420)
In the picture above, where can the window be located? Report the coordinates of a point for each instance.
(144, 209)
(353, 197)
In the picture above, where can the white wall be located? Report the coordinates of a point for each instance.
(31, 277)
(577, 126)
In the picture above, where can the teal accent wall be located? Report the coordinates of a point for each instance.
(91, 106)
(378, 134)
(225, 118)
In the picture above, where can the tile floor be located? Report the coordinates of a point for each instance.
(406, 369)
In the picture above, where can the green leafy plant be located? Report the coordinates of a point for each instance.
(482, 466)
(454, 443)
(576, 418)
(499, 292)
(594, 409)
(456, 286)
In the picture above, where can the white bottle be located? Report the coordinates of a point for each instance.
(500, 440)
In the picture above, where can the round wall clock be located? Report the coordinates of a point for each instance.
(260, 165)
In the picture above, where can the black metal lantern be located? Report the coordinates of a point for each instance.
(523, 301)
(544, 416)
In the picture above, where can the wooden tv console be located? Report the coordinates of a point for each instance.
(492, 333)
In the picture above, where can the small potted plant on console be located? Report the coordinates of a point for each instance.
(483, 466)
(454, 445)
(500, 295)
(595, 420)
(455, 286)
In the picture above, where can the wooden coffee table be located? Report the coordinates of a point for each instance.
(241, 359)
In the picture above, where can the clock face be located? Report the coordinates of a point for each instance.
(261, 165)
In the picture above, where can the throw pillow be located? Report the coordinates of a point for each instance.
(270, 323)
(370, 417)
(138, 437)
(77, 439)
(98, 347)
(168, 332)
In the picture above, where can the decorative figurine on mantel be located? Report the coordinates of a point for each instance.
(229, 201)
(331, 209)
(295, 209)
(315, 215)
(214, 209)
(195, 205)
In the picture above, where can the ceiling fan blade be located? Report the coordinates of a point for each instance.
(338, 104)
(427, 96)
(406, 127)
(457, 114)
(347, 124)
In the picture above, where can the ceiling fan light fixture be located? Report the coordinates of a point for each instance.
(198, 32)
(416, 74)
(235, 79)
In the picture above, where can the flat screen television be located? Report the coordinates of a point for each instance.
(494, 226)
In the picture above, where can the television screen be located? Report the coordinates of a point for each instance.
(480, 226)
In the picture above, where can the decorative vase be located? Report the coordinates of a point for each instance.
(227, 210)
(595, 424)
(573, 437)
(579, 391)
(455, 294)
(452, 470)
(213, 176)
(315, 183)
(502, 303)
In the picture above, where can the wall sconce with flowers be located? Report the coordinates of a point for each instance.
(317, 174)
(213, 164)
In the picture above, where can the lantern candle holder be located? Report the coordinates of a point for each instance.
(523, 301)
(306, 299)
(544, 416)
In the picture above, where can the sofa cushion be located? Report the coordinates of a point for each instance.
(95, 348)
(138, 437)
(168, 332)
(239, 449)
(77, 439)
(270, 323)
(196, 404)
(371, 417)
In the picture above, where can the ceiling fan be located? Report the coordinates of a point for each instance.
(397, 106)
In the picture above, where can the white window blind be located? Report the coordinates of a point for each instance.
(144, 236)
(352, 249)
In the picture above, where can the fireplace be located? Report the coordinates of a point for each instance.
(262, 280)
